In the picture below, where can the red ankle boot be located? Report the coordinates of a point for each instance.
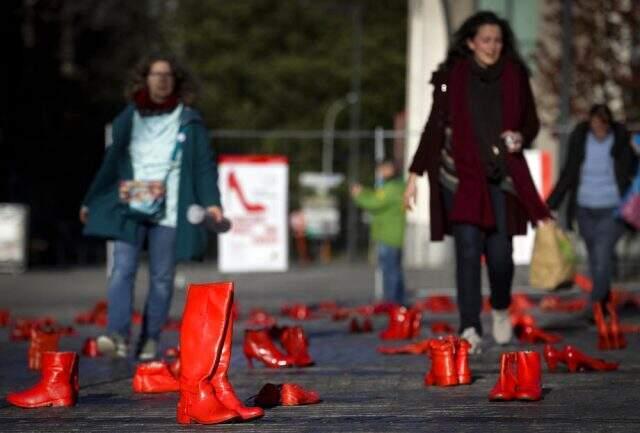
(42, 340)
(532, 334)
(296, 343)
(259, 345)
(552, 356)
(400, 324)
(202, 335)
(154, 377)
(505, 387)
(462, 362)
(443, 369)
(576, 360)
(58, 384)
(220, 379)
(529, 379)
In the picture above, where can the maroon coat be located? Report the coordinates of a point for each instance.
(472, 204)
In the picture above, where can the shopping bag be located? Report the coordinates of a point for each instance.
(629, 209)
(553, 262)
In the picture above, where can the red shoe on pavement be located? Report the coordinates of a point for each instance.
(529, 379)
(296, 343)
(505, 387)
(533, 334)
(42, 340)
(443, 369)
(154, 377)
(259, 345)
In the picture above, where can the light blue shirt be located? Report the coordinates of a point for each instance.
(598, 187)
(153, 139)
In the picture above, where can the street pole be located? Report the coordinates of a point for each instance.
(328, 135)
(354, 126)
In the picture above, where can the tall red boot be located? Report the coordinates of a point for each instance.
(505, 387)
(443, 369)
(296, 343)
(58, 384)
(615, 333)
(201, 340)
(42, 340)
(220, 380)
(529, 376)
(154, 377)
(259, 345)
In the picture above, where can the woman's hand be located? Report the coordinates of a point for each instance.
(84, 214)
(215, 212)
(410, 192)
(356, 190)
(513, 140)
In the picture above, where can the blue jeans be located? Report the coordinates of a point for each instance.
(600, 230)
(470, 243)
(162, 265)
(390, 262)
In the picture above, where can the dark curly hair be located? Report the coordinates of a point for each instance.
(468, 30)
(184, 86)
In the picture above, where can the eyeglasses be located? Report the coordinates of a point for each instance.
(160, 74)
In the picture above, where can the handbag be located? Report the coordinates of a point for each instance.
(553, 262)
(146, 199)
(629, 209)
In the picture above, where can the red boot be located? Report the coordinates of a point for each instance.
(462, 362)
(415, 322)
(529, 376)
(617, 337)
(259, 345)
(505, 387)
(42, 340)
(553, 356)
(576, 360)
(90, 348)
(533, 334)
(443, 369)
(604, 342)
(154, 377)
(204, 322)
(400, 324)
(354, 326)
(367, 326)
(296, 343)
(58, 384)
(220, 380)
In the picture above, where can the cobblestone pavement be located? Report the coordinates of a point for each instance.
(362, 391)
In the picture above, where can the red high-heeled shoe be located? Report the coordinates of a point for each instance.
(553, 357)
(258, 345)
(576, 360)
(408, 349)
(296, 343)
(532, 334)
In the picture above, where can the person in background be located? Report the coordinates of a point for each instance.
(157, 137)
(599, 167)
(481, 191)
(384, 204)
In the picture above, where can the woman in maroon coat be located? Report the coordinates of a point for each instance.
(481, 191)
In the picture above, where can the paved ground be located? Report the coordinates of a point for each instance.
(362, 391)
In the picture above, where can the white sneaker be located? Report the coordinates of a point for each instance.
(471, 335)
(112, 345)
(149, 350)
(502, 329)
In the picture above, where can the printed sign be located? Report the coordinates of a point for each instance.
(254, 191)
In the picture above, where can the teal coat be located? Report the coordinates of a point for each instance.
(198, 185)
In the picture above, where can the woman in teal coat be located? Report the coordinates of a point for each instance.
(156, 137)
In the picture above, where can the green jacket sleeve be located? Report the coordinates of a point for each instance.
(372, 200)
(205, 169)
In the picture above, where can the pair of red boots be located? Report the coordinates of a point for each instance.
(259, 345)
(449, 362)
(575, 360)
(610, 335)
(404, 324)
(520, 377)
(58, 385)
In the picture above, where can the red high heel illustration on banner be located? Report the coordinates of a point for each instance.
(234, 185)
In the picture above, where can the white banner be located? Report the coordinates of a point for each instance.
(254, 191)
